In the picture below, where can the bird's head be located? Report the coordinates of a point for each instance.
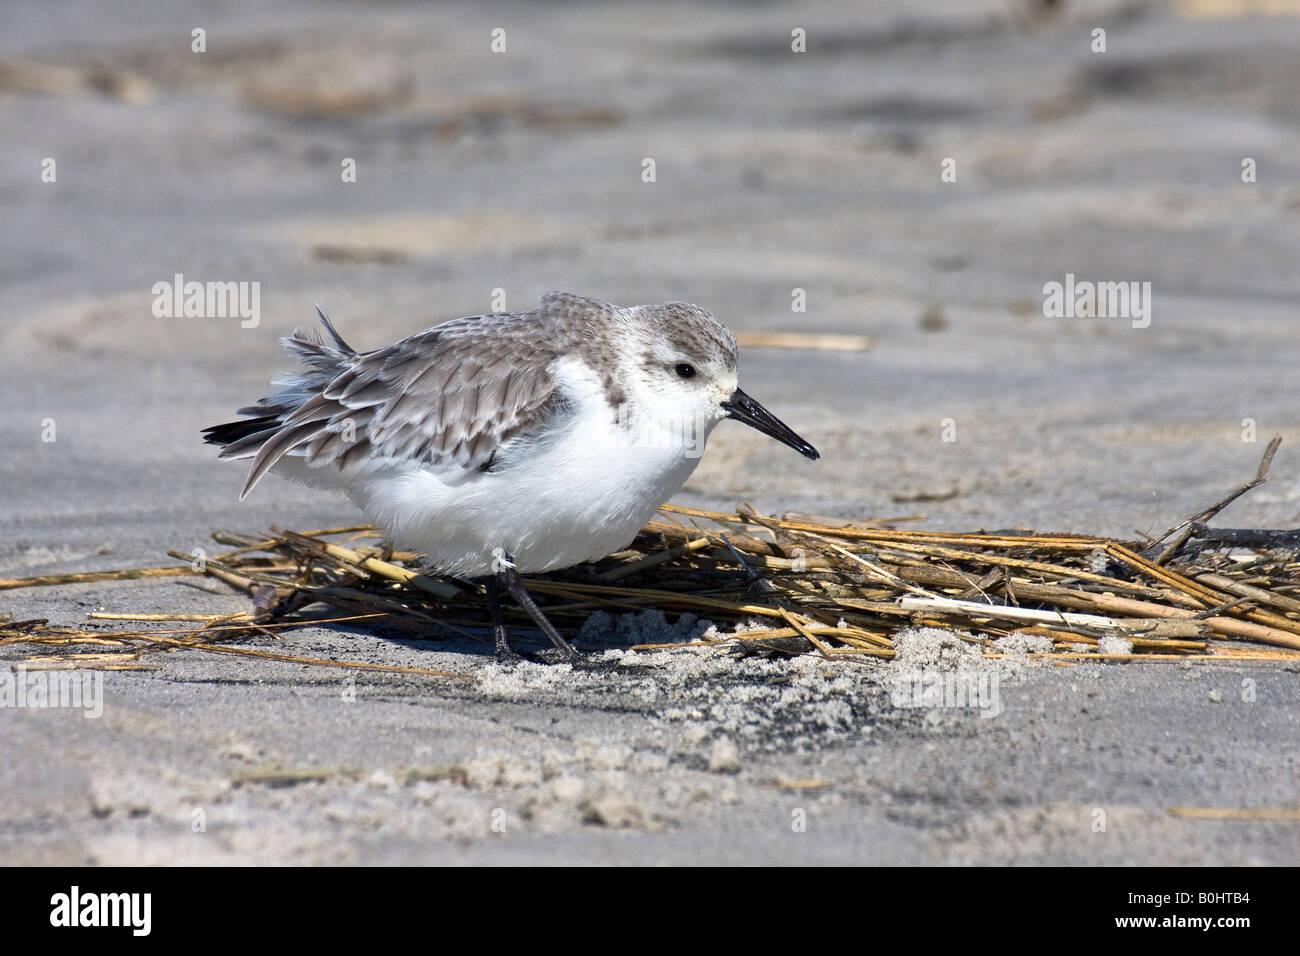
(684, 362)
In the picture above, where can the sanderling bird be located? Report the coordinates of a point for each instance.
(508, 443)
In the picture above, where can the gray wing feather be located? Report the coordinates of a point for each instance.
(448, 397)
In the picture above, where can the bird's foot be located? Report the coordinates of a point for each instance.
(508, 656)
(565, 655)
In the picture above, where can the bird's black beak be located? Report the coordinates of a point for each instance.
(744, 409)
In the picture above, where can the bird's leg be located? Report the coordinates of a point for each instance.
(505, 654)
(509, 578)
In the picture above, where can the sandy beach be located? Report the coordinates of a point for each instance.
(919, 174)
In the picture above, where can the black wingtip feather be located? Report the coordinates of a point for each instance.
(231, 432)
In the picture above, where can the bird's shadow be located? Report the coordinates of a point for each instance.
(530, 645)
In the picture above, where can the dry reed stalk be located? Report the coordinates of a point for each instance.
(835, 586)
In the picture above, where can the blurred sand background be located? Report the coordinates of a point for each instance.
(521, 171)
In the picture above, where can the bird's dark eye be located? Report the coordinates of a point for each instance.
(685, 370)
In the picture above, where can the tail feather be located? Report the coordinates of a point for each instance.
(264, 436)
(338, 339)
(317, 356)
